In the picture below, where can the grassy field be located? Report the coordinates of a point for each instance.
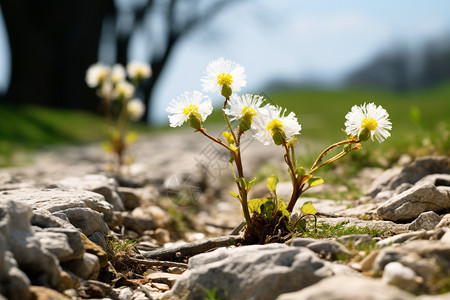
(29, 128)
(421, 123)
(420, 120)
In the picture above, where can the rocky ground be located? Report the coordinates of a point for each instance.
(70, 229)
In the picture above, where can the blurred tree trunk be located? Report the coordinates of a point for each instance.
(52, 44)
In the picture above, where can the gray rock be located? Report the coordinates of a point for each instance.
(411, 203)
(252, 272)
(429, 259)
(44, 219)
(330, 250)
(86, 219)
(87, 267)
(129, 197)
(436, 179)
(100, 184)
(426, 221)
(348, 287)
(403, 277)
(31, 257)
(65, 243)
(403, 237)
(302, 242)
(410, 173)
(55, 200)
(14, 284)
(99, 239)
(355, 239)
(445, 222)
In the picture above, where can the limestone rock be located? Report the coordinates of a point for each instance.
(403, 277)
(86, 267)
(58, 244)
(411, 203)
(410, 173)
(348, 287)
(31, 257)
(426, 221)
(252, 272)
(330, 249)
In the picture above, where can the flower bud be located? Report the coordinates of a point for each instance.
(229, 137)
(195, 120)
(278, 137)
(364, 134)
(245, 124)
(226, 91)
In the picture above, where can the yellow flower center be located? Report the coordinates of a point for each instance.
(224, 79)
(369, 123)
(248, 111)
(275, 123)
(190, 109)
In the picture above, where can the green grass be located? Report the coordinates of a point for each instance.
(28, 128)
(328, 231)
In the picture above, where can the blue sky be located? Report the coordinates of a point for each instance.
(290, 40)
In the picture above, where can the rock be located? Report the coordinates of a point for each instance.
(95, 249)
(355, 239)
(445, 222)
(138, 225)
(96, 289)
(44, 293)
(410, 173)
(348, 287)
(426, 221)
(429, 259)
(331, 250)
(44, 219)
(14, 283)
(372, 224)
(302, 242)
(252, 272)
(403, 277)
(86, 219)
(411, 203)
(129, 198)
(95, 183)
(58, 244)
(403, 237)
(436, 179)
(31, 257)
(87, 267)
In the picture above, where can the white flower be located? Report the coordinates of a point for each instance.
(222, 72)
(246, 105)
(181, 109)
(97, 74)
(369, 118)
(138, 70)
(123, 89)
(117, 73)
(271, 119)
(136, 109)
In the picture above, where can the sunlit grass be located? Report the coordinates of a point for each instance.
(25, 128)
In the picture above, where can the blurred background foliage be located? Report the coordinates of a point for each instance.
(48, 45)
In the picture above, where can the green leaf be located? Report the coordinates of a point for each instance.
(313, 181)
(251, 183)
(300, 171)
(308, 208)
(243, 182)
(255, 205)
(235, 195)
(272, 182)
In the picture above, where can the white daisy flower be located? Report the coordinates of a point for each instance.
(221, 73)
(187, 105)
(97, 74)
(272, 118)
(123, 89)
(368, 121)
(138, 70)
(244, 108)
(117, 73)
(136, 109)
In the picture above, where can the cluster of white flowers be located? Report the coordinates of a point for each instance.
(112, 83)
(270, 124)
